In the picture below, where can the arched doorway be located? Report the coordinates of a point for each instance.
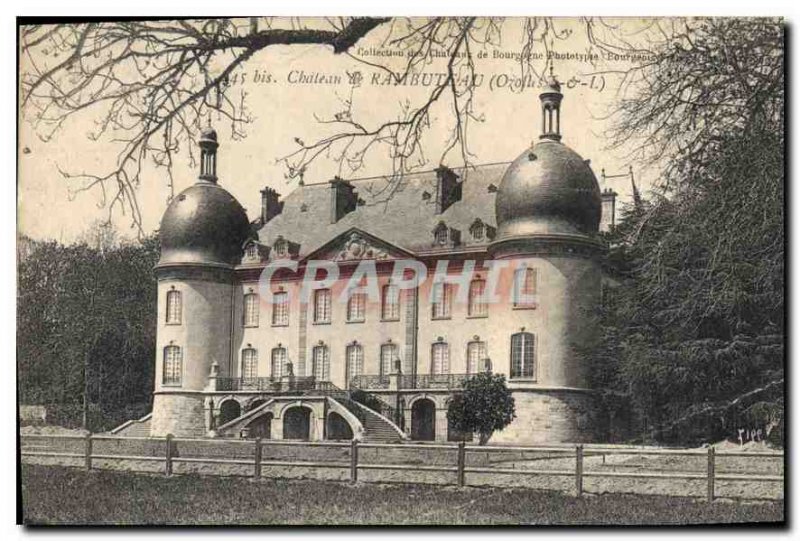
(228, 411)
(338, 428)
(297, 424)
(261, 427)
(423, 420)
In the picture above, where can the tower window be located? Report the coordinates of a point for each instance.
(440, 358)
(441, 300)
(355, 362)
(390, 303)
(173, 366)
(279, 360)
(249, 363)
(523, 355)
(321, 363)
(251, 310)
(174, 307)
(322, 306)
(357, 306)
(476, 353)
(477, 306)
(280, 309)
(525, 286)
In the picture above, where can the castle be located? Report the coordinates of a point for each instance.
(355, 309)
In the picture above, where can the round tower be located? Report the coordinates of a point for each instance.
(202, 235)
(548, 209)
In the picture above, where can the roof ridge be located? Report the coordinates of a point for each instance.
(426, 171)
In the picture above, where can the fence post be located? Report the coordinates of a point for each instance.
(461, 460)
(257, 471)
(710, 473)
(579, 470)
(88, 449)
(353, 461)
(168, 455)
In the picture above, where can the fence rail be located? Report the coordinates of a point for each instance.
(458, 467)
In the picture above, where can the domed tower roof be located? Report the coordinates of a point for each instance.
(549, 189)
(204, 224)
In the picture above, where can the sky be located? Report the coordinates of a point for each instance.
(288, 106)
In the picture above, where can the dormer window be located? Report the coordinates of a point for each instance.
(251, 252)
(440, 234)
(477, 229)
(280, 247)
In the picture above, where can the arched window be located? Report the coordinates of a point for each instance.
(477, 306)
(174, 307)
(251, 252)
(476, 353)
(251, 310)
(477, 229)
(441, 300)
(525, 285)
(440, 358)
(355, 361)
(388, 357)
(390, 303)
(357, 306)
(249, 363)
(321, 363)
(523, 355)
(173, 366)
(279, 360)
(280, 308)
(322, 306)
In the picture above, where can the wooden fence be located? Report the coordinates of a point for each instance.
(460, 468)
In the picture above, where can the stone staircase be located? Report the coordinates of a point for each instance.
(378, 428)
(135, 428)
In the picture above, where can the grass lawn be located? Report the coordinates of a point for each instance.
(58, 495)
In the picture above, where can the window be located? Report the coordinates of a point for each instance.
(173, 366)
(477, 229)
(279, 360)
(476, 353)
(440, 234)
(477, 306)
(251, 310)
(442, 295)
(523, 351)
(440, 358)
(321, 363)
(249, 363)
(252, 251)
(174, 307)
(280, 247)
(390, 302)
(388, 357)
(357, 305)
(525, 288)
(322, 306)
(280, 308)
(355, 362)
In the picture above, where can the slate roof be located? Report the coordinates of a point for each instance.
(397, 213)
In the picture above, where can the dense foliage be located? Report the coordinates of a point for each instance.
(86, 307)
(483, 406)
(693, 336)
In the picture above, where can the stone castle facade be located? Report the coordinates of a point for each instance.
(244, 352)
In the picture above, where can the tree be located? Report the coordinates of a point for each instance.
(485, 405)
(86, 329)
(150, 85)
(693, 336)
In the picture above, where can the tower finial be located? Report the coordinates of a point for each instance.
(551, 108)
(208, 153)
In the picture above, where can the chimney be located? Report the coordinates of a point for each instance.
(608, 214)
(448, 188)
(343, 199)
(270, 204)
